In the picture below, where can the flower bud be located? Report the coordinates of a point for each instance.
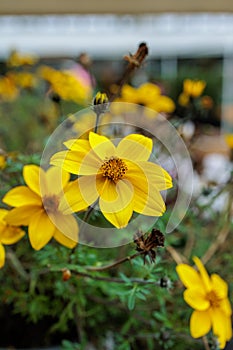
(100, 103)
(66, 274)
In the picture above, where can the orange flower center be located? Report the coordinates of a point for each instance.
(50, 203)
(213, 298)
(114, 169)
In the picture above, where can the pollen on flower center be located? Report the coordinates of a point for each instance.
(50, 203)
(114, 169)
(213, 298)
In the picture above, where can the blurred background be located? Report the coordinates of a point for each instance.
(185, 41)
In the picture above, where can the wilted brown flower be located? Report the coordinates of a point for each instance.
(147, 243)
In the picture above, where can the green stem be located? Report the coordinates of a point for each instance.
(16, 264)
(97, 121)
(115, 263)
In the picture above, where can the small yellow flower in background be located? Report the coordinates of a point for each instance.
(148, 95)
(66, 85)
(120, 177)
(25, 80)
(16, 59)
(41, 205)
(229, 140)
(208, 296)
(8, 89)
(183, 99)
(193, 88)
(2, 161)
(8, 235)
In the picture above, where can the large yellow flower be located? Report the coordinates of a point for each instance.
(207, 295)
(41, 206)
(120, 177)
(8, 235)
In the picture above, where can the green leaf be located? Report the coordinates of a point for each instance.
(131, 299)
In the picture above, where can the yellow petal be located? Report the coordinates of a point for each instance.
(102, 146)
(67, 224)
(219, 286)
(228, 329)
(77, 162)
(64, 240)
(220, 327)
(3, 213)
(66, 160)
(20, 196)
(156, 175)
(22, 215)
(116, 196)
(79, 194)
(56, 179)
(2, 255)
(189, 276)
(196, 298)
(147, 200)
(116, 203)
(118, 219)
(78, 145)
(225, 306)
(204, 275)
(12, 234)
(41, 230)
(200, 323)
(86, 160)
(135, 147)
(34, 176)
(90, 187)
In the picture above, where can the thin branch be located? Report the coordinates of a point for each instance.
(177, 257)
(16, 264)
(116, 280)
(216, 244)
(115, 263)
(205, 342)
(222, 236)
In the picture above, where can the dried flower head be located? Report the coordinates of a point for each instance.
(148, 243)
(135, 60)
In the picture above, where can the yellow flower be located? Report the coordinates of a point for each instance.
(183, 99)
(207, 295)
(193, 88)
(229, 140)
(148, 95)
(8, 89)
(100, 98)
(66, 85)
(2, 161)
(41, 206)
(24, 80)
(15, 59)
(8, 235)
(120, 177)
